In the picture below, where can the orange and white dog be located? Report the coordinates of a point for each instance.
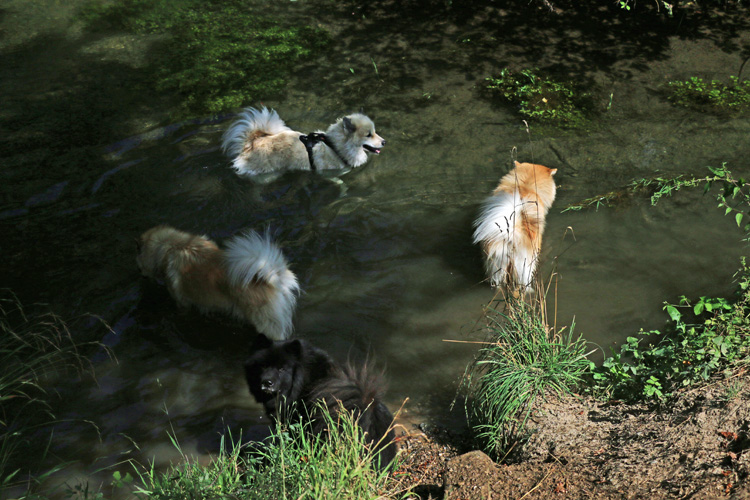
(511, 222)
(260, 143)
(249, 280)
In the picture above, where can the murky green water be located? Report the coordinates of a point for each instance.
(386, 263)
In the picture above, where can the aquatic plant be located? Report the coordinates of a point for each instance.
(521, 362)
(714, 95)
(291, 464)
(217, 54)
(539, 97)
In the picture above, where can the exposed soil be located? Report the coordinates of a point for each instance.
(692, 447)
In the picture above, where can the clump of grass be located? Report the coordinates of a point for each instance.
(539, 97)
(218, 54)
(32, 348)
(712, 95)
(521, 362)
(292, 463)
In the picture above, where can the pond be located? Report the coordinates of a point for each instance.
(385, 259)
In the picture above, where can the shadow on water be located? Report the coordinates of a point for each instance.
(415, 41)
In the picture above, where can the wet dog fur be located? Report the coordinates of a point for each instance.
(249, 279)
(290, 378)
(511, 222)
(259, 142)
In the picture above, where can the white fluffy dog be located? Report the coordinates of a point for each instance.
(249, 280)
(260, 143)
(511, 222)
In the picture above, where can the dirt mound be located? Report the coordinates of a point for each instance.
(693, 447)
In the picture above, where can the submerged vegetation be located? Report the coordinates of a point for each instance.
(215, 55)
(540, 98)
(521, 362)
(712, 96)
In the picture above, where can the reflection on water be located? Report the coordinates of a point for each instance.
(385, 260)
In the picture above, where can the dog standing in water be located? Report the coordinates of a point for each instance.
(292, 378)
(249, 279)
(511, 222)
(260, 143)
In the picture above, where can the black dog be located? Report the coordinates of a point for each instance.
(290, 377)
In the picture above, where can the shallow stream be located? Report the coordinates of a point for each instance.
(385, 259)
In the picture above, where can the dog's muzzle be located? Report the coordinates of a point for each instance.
(268, 386)
(373, 149)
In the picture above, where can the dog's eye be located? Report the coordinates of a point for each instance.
(369, 135)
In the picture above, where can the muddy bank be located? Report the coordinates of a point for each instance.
(693, 447)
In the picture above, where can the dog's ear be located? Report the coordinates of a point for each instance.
(294, 348)
(348, 125)
(262, 342)
(552, 171)
(516, 163)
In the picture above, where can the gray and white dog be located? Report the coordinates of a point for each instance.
(260, 143)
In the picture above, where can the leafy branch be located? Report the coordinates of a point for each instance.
(733, 198)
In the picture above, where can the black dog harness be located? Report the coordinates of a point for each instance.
(311, 140)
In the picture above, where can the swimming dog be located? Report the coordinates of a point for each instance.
(260, 143)
(294, 378)
(249, 279)
(511, 222)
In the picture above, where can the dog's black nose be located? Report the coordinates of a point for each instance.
(383, 142)
(266, 385)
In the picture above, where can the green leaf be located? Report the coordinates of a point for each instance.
(673, 312)
(738, 218)
(718, 172)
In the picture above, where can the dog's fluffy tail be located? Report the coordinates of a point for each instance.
(497, 217)
(359, 390)
(256, 264)
(251, 122)
(499, 228)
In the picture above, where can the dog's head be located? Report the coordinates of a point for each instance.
(361, 130)
(273, 370)
(539, 179)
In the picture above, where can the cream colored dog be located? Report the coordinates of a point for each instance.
(511, 222)
(260, 143)
(249, 280)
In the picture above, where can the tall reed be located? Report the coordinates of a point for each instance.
(32, 349)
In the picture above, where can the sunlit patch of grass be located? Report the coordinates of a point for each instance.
(292, 463)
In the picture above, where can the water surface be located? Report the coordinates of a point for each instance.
(385, 260)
